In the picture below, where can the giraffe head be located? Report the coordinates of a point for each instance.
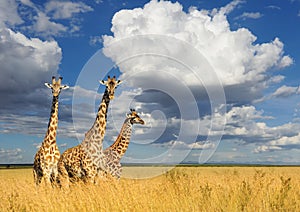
(134, 117)
(56, 86)
(111, 85)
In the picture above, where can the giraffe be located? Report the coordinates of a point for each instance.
(115, 152)
(46, 158)
(82, 161)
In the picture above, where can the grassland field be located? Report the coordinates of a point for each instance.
(180, 189)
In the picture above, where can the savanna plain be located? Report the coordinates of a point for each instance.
(179, 189)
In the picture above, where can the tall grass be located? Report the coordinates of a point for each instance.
(181, 189)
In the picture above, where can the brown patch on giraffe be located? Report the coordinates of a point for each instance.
(93, 151)
(97, 137)
(102, 124)
(101, 116)
(51, 137)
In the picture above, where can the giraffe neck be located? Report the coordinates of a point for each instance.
(97, 131)
(50, 136)
(123, 139)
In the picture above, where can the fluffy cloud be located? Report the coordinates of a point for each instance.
(8, 13)
(243, 125)
(26, 62)
(94, 40)
(98, 1)
(11, 155)
(237, 61)
(274, 7)
(286, 91)
(53, 18)
(65, 10)
(247, 15)
(287, 141)
(282, 143)
(248, 125)
(43, 26)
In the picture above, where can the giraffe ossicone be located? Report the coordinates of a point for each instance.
(46, 158)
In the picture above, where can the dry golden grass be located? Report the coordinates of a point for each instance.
(181, 189)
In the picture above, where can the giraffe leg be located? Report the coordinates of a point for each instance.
(115, 167)
(118, 171)
(47, 177)
(54, 176)
(37, 177)
(62, 177)
(37, 170)
(88, 177)
(90, 173)
(92, 177)
(43, 172)
(77, 171)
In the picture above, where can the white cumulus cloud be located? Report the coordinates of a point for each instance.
(11, 155)
(64, 10)
(49, 19)
(232, 54)
(251, 15)
(9, 14)
(44, 26)
(26, 61)
(286, 91)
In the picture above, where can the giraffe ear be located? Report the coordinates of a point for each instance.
(102, 82)
(119, 82)
(48, 85)
(128, 115)
(64, 87)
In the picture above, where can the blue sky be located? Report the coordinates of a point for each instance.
(215, 81)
